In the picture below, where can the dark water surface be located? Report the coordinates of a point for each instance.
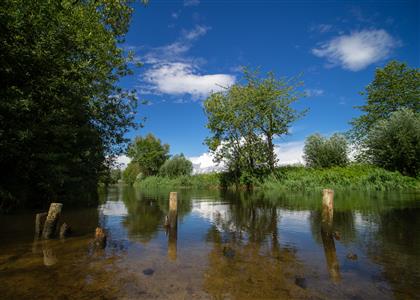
(227, 246)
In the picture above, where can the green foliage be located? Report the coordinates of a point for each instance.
(394, 143)
(321, 152)
(245, 118)
(178, 165)
(353, 177)
(394, 87)
(199, 181)
(63, 115)
(149, 153)
(131, 173)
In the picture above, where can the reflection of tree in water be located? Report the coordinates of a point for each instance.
(247, 261)
(343, 224)
(396, 246)
(146, 211)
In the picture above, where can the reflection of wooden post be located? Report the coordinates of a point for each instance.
(50, 226)
(327, 206)
(173, 225)
(39, 224)
(330, 255)
(50, 258)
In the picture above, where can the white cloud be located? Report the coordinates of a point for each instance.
(123, 161)
(195, 33)
(290, 153)
(191, 2)
(204, 164)
(182, 78)
(357, 50)
(314, 92)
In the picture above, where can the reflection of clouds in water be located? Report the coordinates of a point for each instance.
(113, 208)
(216, 213)
(295, 221)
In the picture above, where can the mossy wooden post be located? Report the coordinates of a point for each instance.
(327, 207)
(50, 226)
(39, 224)
(173, 225)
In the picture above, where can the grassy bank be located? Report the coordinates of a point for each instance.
(354, 177)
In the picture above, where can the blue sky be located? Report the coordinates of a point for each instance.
(189, 48)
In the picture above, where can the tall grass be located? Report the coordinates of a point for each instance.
(199, 181)
(354, 177)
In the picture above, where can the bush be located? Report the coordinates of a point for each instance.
(178, 165)
(321, 152)
(394, 143)
(131, 173)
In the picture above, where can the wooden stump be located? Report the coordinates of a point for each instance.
(50, 226)
(65, 231)
(100, 238)
(327, 206)
(39, 224)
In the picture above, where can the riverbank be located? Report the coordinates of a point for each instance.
(299, 178)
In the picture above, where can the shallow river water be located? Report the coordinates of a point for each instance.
(226, 246)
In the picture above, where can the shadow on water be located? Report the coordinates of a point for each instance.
(225, 245)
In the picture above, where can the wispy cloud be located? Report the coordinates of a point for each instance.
(357, 50)
(171, 71)
(321, 28)
(191, 2)
(314, 92)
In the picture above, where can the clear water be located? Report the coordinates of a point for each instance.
(226, 246)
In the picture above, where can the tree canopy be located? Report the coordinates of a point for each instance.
(394, 87)
(63, 115)
(177, 165)
(149, 153)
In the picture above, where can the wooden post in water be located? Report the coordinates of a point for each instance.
(39, 224)
(327, 206)
(50, 226)
(100, 238)
(327, 235)
(173, 225)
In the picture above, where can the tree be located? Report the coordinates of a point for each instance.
(131, 173)
(321, 152)
(245, 118)
(178, 165)
(149, 153)
(394, 87)
(63, 115)
(394, 143)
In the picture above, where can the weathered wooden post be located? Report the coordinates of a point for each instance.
(327, 234)
(100, 238)
(39, 224)
(50, 226)
(327, 206)
(173, 225)
(65, 231)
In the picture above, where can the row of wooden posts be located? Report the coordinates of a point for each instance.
(46, 225)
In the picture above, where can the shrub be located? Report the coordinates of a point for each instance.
(394, 143)
(178, 165)
(321, 152)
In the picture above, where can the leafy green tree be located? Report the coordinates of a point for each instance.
(244, 120)
(131, 173)
(177, 165)
(394, 87)
(63, 115)
(321, 152)
(149, 153)
(394, 143)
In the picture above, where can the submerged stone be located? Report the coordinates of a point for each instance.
(352, 256)
(228, 252)
(148, 272)
(301, 282)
